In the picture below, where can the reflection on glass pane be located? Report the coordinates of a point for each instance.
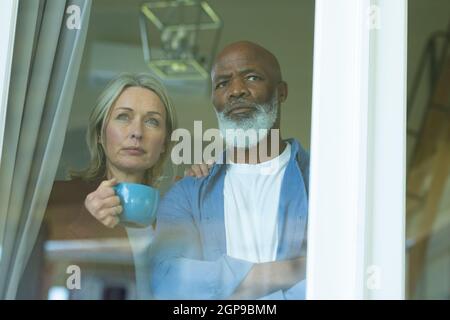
(428, 183)
(58, 293)
(86, 253)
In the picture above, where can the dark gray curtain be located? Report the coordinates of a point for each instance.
(46, 61)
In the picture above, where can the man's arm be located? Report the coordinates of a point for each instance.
(179, 271)
(177, 266)
(266, 278)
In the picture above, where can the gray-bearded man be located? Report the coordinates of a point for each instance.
(239, 232)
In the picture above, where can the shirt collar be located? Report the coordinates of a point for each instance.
(295, 148)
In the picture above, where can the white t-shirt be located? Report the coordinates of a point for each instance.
(251, 198)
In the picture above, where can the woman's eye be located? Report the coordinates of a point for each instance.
(123, 116)
(152, 122)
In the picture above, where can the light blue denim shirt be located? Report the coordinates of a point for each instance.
(188, 258)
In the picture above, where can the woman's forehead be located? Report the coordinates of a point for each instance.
(138, 98)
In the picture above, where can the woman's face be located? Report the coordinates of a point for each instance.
(135, 131)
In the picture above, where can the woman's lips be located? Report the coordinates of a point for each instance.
(134, 151)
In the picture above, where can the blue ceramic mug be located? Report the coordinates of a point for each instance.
(139, 204)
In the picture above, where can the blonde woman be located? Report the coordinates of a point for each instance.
(128, 137)
(129, 140)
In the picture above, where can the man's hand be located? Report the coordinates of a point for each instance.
(104, 204)
(197, 170)
(266, 278)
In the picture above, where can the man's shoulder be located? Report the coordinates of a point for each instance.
(186, 183)
(181, 198)
(296, 146)
(185, 187)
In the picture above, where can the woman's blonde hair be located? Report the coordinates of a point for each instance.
(100, 114)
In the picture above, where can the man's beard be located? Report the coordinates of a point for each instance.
(246, 132)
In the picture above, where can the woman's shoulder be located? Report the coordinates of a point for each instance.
(76, 183)
(71, 190)
(66, 216)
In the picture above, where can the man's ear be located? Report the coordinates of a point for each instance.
(282, 91)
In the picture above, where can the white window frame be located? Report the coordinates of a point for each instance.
(356, 235)
(8, 17)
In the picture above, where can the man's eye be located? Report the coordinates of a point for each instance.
(221, 84)
(253, 78)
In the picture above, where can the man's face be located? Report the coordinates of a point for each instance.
(244, 96)
(240, 79)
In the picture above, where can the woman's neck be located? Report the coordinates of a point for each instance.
(133, 177)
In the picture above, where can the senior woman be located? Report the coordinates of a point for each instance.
(128, 136)
(129, 141)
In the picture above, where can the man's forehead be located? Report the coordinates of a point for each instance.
(242, 57)
(241, 54)
(237, 64)
(240, 65)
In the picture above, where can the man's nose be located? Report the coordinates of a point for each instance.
(238, 89)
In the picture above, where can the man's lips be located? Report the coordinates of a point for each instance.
(243, 109)
(134, 150)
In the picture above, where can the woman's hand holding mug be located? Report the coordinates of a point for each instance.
(104, 204)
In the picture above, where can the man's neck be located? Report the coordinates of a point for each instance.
(270, 147)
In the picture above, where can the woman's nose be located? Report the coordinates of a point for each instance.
(136, 130)
(136, 135)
